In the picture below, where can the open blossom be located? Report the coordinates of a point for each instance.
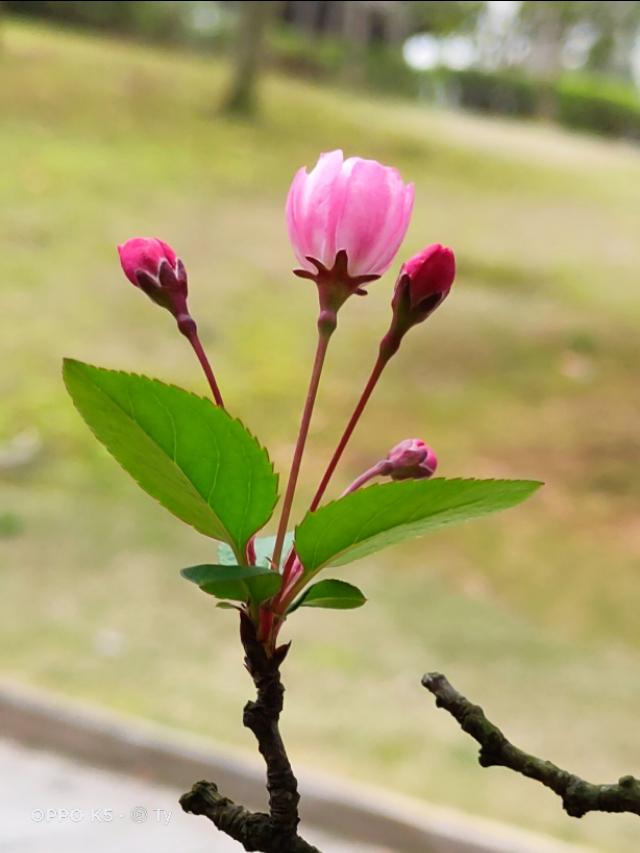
(356, 206)
(410, 459)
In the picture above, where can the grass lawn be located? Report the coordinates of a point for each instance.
(531, 369)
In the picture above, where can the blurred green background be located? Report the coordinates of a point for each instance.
(111, 129)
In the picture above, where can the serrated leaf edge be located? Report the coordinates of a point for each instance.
(68, 362)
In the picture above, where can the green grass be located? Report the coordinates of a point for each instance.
(530, 370)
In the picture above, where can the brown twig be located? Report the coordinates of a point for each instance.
(578, 797)
(277, 831)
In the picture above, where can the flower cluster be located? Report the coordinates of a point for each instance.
(346, 220)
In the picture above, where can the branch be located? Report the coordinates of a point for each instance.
(578, 797)
(276, 832)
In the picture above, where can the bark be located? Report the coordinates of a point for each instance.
(277, 830)
(578, 796)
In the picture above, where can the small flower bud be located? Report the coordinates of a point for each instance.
(152, 266)
(424, 283)
(411, 459)
(428, 278)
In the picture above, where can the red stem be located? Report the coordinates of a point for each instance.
(353, 422)
(194, 340)
(284, 598)
(321, 351)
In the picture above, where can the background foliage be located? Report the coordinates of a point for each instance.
(575, 62)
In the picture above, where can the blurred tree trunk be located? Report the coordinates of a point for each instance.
(241, 97)
(304, 17)
(355, 32)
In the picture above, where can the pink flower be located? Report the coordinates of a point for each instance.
(411, 459)
(424, 283)
(357, 206)
(431, 273)
(153, 266)
(145, 255)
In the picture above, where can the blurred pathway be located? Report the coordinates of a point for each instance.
(50, 804)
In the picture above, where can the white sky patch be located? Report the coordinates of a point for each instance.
(496, 45)
(424, 52)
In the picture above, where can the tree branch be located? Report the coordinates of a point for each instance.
(578, 797)
(276, 832)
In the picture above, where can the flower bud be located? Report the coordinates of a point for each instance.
(430, 275)
(424, 283)
(151, 265)
(411, 459)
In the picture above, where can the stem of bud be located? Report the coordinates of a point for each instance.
(326, 326)
(187, 325)
(383, 358)
(377, 470)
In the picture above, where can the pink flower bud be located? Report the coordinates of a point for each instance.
(424, 283)
(144, 255)
(428, 277)
(411, 459)
(356, 206)
(152, 265)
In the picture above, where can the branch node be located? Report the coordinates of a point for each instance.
(276, 832)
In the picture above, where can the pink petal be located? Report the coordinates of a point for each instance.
(310, 210)
(396, 228)
(363, 216)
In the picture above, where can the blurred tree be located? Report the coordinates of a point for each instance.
(546, 25)
(442, 17)
(360, 26)
(165, 20)
(254, 17)
(617, 26)
(372, 22)
(611, 26)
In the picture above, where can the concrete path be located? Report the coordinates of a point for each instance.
(50, 804)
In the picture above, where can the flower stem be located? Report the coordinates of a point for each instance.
(363, 479)
(321, 351)
(293, 567)
(189, 329)
(353, 422)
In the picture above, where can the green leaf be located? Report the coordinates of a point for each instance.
(264, 550)
(200, 463)
(264, 586)
(368, 520)
(237, 583)
(336, 595)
